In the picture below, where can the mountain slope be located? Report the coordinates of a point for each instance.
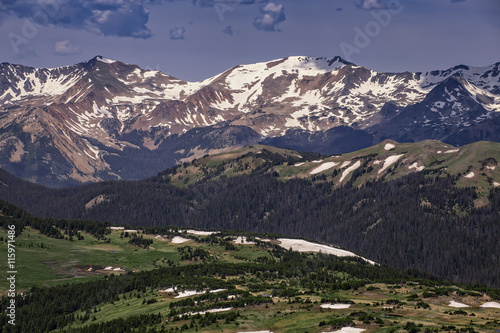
(89, 121)
(400, 204)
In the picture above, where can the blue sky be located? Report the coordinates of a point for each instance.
(195, 39)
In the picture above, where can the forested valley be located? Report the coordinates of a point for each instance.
(418, 221)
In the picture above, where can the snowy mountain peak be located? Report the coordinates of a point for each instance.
(96, 110)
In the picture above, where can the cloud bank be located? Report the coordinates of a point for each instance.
(122, 18)
(65, 47)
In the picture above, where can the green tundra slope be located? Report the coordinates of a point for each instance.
(473, 165)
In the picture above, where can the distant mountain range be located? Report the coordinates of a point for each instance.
(105, 119)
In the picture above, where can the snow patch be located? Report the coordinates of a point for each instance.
(490, 167)
(209, 311)
(335, 306)
(168, 290)
(299, 164)
(301, 245)
(495, 305)
(389, 146)
(117, 269)
(200, 233)
(451, 151)
(348, 330)
(323, 167)
(416, 167)
(349, 170)
(346, 163)
(440, 104)
(243, 240)
(454, 304)
(188, 293)
(150, 74)
(179, 240)
(389, 161)
(469, 175)
(496, 184)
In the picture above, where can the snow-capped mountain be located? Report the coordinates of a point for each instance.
(105, 119)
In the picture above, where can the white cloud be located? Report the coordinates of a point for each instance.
(124, 18)
(271, 15)
(177, 33)
(64, 47)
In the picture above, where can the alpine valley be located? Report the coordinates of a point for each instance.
(105, 119)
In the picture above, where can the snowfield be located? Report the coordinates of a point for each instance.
(188, 293)
(495, 305)
(454, 304)
(346, 163)
(117, 269)
(469, 175)
(117, 228)
(168, 290)
(209, 311)
(349, 170)
(200, 233)
(301, 245)
(416, 167)
(243, 240)
(348, 330)
(390, 161)
(179, 240)
(335, 306)
(496, 184)
(323, 167)
(389, 146)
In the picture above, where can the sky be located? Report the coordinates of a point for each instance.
(196, 39)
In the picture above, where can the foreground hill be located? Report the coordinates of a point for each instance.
(80, 276)
(407, 205)
(104, 119)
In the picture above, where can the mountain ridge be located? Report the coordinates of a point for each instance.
(71, 124)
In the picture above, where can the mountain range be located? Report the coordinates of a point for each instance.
(105, 119)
